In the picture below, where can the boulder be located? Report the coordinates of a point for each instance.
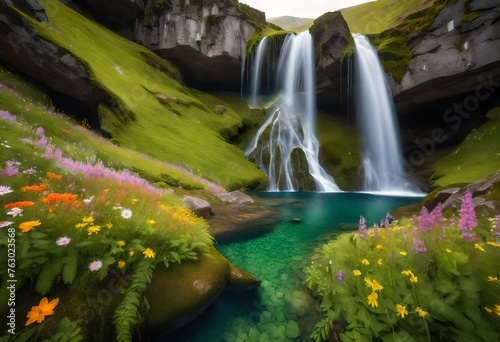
(41, 60)
(240, 280)
(197, 205)
(332, 43)
(235, 197)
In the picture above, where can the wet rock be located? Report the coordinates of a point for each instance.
(240, 280)
(197, 205)
(235, 197)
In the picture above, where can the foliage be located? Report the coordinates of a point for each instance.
(477, 157)
(81, 221)
(420, 279)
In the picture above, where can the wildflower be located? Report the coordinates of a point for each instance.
(468, 220)
(109, 225)
(126, 214)
(14, 212)
(340, 276)
(20, 204)
(38, 312)
(403, 253)
(421, 312)
(425, 219)
(131, 253)
(379, 262)
(81, 225)
(63, 241)
(356, 273)
(437, 214)
(368, 282)
(134, 200)
(419, 245)
(151, 222)
(401, 310)
(488, 310)
(95, 265)
(493, 244)
(34, 188)
(376, 286)
(497, 309)
(5, 190)
(120, 243)
(413, 278)
(148, 253)
(28, 225)
(88, 219)
(11, 169)
(365, 262)
(379, 247)
(478, 246)
(490, 278)
(93, 229)
(30, 171)
(40, 132)
(373, 299)
(117, 207)
(89, 200)
(121, 264)
(4, 224)
(54, 197)
(448, 250)
(407, 273)
(362, 227)
(52, 175)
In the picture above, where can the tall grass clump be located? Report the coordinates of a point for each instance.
(428, 278)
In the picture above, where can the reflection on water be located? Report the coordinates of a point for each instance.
(282, 309)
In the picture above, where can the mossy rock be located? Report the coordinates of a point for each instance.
(240, 280)
(181, 292)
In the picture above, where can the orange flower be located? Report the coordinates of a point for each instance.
(64, 131)
(38, 313)
(55, 197)
(28, 225)
(20, 204)
(77, 204)
(52, 175)
(34, 188)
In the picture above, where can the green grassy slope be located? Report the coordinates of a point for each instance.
(477, 157)
(377, 16)
(159, 116)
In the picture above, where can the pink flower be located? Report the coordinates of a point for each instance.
(5, 190)
(468, 220)
(95, 265)
(126, 214)
(437, 214)
(425, 219)
(14, 212)
(4, 224)
(63, 241)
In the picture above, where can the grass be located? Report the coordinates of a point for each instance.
(176, 127)
(477, 157)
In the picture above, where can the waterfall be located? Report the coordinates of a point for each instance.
(382, 156)
(257, 72)
(290, 120)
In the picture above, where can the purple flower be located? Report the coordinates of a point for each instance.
(40, 132)
(95, 265)
(4, 115)
(362, 227)
(5, 190)
(419, 245)
(42, 143)
(437, 214)
(11, 169)
(63, 241)
(340, 276)
(468, 220)
(4, 224)
(425, 220)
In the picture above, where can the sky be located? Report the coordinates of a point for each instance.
(300, 8)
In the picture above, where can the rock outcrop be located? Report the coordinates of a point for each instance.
(198, 206)
(205, 39)
(41, 60)
(458, 53)
(332, 43)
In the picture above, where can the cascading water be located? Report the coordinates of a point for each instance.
(382, 156)
(256, 72)
(291, 120)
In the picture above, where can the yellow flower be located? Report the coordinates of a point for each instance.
(88, 219)
(448, 250)
(413, 278)
(38, 312)
(497, 309)
(134, 200)
(121, 264)
(368, 282)
(81, 225)
(120, 243)
(421, 312)
(376, 286)
(93, 229)
(149, 221)
(403, 253)
(407, 273)
(109, 225)
(365, 262)
(493, 244)
(372, 299)
(488, 309)
(490, 278)
(356, 273)
(401, 310)
(148, 253)
(379, 262)
(131, 253)
(379, 247)
(28, 225)
(478, 246)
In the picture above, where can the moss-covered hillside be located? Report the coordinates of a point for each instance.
(151, 111)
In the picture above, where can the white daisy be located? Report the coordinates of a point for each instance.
(14, 212)
(95, 265)
(126, 213)
(5, 190)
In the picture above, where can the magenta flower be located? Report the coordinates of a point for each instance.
(437, 214)
(4, 115)
(425, 220)
(419, 245)
(40, 132)
(362, 227)
(468, 220)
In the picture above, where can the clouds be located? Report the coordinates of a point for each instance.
(300, 8)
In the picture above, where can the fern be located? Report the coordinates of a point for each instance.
(48, 275)
(127, 314)
(70, 266)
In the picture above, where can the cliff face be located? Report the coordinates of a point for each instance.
(205, 39)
